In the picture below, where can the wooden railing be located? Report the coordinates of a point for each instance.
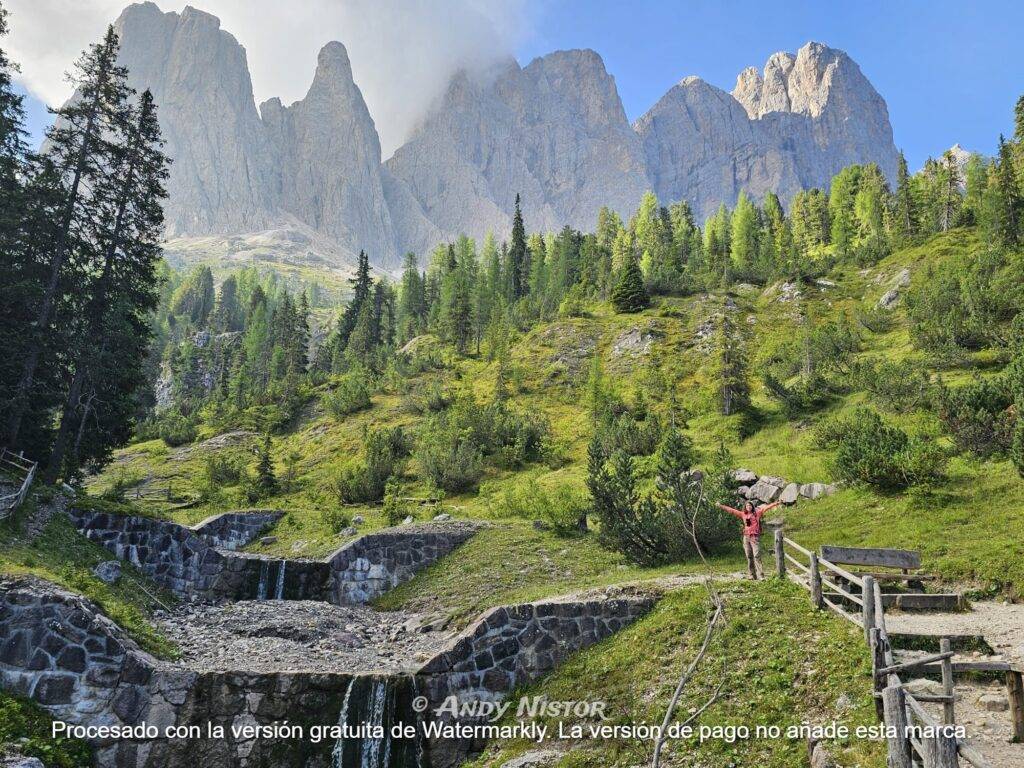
(915, 737)
(23, 472)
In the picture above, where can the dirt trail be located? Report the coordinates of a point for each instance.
(1001, 624)
(981, 706)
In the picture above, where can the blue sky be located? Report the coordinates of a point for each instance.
(950, 71)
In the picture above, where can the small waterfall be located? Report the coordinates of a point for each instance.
(376, 703)
(372, 747)
(279, 592)
(338, 753)
(261, 590)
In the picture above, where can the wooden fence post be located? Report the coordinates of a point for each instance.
(780, 554)
(940, 751)
(867, 596)
(948, 711)
(894, 707)
(816, 596)
(877, 663)
(1015, 693)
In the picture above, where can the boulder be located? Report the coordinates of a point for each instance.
(889, 299)
(744, 491)
(109, 571)
(442, 517)
(812, 490)
(762, 491)
(789, 494)
(744, 476)
(778, 482)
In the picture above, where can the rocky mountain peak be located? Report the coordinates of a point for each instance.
(554, 131)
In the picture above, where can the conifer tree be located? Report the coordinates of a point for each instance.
(518, 257)
(629, 294)
(733, 385)
(79, 154)
(905, 215)
(128, 236)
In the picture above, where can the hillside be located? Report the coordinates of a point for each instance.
(665, 353)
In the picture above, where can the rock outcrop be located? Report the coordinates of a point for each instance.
(554, 132)
(309, 178)
(792, 127)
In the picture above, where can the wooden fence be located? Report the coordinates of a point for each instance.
(22, 471)
(915, 738)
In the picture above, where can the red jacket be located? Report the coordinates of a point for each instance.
(751, 520)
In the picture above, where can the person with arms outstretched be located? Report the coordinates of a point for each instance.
(751, 517)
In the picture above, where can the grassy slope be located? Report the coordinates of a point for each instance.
(961, 526)
(971, 512)
(779, 662)
(61, 555)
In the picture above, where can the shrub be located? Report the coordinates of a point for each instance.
(564, 508)
(396, 507)
(980, 416)
(671, 525)
(336, 519)
(450, 462)
(899, 387)
(350, 394)
(174, 429)
(867, 450)
(453, 444)
(222, 471)
(384, 452)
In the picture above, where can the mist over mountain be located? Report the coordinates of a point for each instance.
(554, 131)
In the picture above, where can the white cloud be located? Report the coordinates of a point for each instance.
(403, 51)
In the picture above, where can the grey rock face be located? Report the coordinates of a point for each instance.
(308, 177)
(554, 131)
(329, 159)
(222, 175)
(792, 127)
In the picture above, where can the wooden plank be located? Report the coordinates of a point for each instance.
(886, 558)
(940, 751)
(836, 588)
(867, 603)
(841, 572)
(895, 669)
(960, 667)
(923, 601)
(797, 547)
(898, 576)
(850, 617)
(796, 563)
(780, 554)
(972, 756)
(816, 596)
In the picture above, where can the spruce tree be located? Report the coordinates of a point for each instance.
(79, 155)
(629, 294)
(265, 482)
(519, 268)
(905, 214)
(733, 385)
(362, 285)
(124, 291)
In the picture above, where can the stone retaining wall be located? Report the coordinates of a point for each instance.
(57, 649)
(514, 645)
(373, 564)
(232, 530)
(187, 561)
